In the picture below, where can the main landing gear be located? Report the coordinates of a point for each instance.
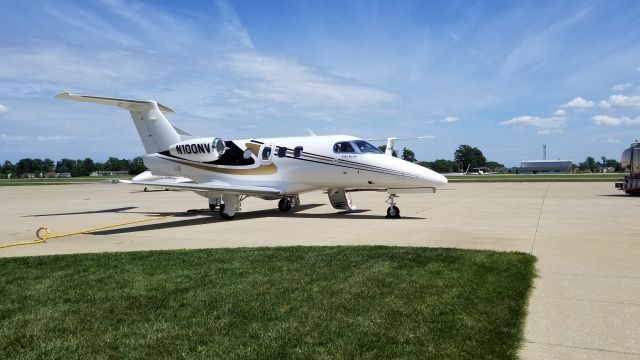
(287, 202)
(392, 211)
(228, 204)
(284, 204)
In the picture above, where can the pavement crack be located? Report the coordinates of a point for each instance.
(535, 234)
(585, 348)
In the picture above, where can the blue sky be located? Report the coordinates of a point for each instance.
(504, 76)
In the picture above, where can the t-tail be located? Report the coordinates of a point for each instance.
(155, 131)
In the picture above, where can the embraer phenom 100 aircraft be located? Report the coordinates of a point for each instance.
(226, 172)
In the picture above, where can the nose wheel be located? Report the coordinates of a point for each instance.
(392, 211)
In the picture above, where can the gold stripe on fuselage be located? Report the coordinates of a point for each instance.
(269, 169)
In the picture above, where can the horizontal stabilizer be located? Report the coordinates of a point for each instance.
(123, 103)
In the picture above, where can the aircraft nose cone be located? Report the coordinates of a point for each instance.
(433, 178)
(442, 180)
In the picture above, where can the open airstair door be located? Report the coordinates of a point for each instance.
(340, 199)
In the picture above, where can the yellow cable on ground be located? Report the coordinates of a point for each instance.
(48, 235)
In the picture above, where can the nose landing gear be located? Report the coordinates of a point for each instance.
(392, 211)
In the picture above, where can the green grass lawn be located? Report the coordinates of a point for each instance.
(59, 181)
(266, 303)
(536, 178)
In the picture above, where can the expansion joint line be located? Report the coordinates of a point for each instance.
(535, 234)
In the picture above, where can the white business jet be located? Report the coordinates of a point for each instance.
(227, 172)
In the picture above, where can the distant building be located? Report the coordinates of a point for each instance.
(109, 173)
(64, 175)
(545, 166)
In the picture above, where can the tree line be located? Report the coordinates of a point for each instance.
(73, 167)
(465, 157)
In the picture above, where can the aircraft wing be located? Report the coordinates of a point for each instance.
(210, 186)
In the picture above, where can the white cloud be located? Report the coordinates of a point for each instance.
(621, 100)
(283, 80)
(621, 87)
(560, 112)
(613, 141)
(614, 121)
(54, 137)
(4, 136)
(578, 103)
(450, 119)
(247, 127)
(3, 109)
(545, 126)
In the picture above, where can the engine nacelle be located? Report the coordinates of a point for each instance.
(201, 149)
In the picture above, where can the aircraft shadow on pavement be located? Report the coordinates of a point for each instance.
(206, 218)
(114, 210)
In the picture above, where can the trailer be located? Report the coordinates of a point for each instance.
(631, 163)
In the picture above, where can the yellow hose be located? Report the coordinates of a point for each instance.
(44, 238)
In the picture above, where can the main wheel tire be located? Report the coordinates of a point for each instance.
(393, 212)
(284, 204)
(212, 207)
(146, 190)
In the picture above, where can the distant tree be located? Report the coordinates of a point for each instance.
(493, 165)
(25, 166)
(48, 165)
(468, 155)
(441, 165)
(588, 165)
(8, 168)
(613, 164)
(67, 166)
(86, 167)
(383, 148)
(136, 166)
(408, 155)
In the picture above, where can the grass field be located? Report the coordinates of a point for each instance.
(61, 181)
(266, 303)
(536, 178)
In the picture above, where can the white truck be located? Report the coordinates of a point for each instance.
(631, 162)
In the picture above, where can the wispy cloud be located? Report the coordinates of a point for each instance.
(544, 126)
(4, 136)
(285, 80)
(614, 121)
(560, 112)
(450, 119)
(579, 103)
(621, 100)
(621, 87)
(3, 109)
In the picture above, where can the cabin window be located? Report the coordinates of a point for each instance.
(297, 152)
(343, 147)
(266, 153)
(282, 152)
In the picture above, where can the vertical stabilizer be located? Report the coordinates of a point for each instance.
(155, 131)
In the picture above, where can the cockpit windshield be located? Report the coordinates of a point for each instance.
(355, 146)
(365, 147)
